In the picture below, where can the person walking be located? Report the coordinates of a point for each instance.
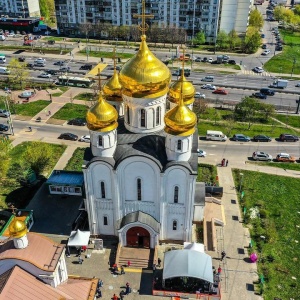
(122, 295)
(158, 262)
(29, 128)
(219, 271)
(80, 260)
(115, 297)
(223, 162)
(128, 264)
(226, 162)
(122, 270)
(128, 289)
(223, 255)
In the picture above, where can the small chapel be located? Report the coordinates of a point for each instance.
(141, 168)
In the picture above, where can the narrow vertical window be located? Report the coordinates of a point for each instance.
(139, 189)
(105, 220)
(100, 141)
(143, 118)
(174, 225)
(128, 114)
(158, 115)
(102, 185)
(176, 192)
(179, 145)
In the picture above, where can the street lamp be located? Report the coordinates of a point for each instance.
(7, 107)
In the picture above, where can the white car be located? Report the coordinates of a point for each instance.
(266, 52)
(201, 153)
(199, 95)
(210, 60)
(38, 60)
(259, 155)
(258, 70)
(85, 138)
(45, 75)
(209, 86)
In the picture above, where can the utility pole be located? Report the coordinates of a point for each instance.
(9, 119)
(294, 62)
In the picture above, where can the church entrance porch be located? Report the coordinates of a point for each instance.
(138, 237)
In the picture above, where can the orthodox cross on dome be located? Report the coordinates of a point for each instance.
(144, 26)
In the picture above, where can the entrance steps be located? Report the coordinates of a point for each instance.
(138, 257)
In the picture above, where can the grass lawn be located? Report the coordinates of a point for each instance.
(281, 165)
(71, 111)
(207, 173)
(284, 61)
(11, 192)
(29, 109)
(52, 38)
(63, 90)
(273, 211)
(86, 96)
(291, 120)
(75, 162)
(106, 54)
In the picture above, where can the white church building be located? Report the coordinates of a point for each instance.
(141, 168)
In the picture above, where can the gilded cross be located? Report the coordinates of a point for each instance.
(144, 26)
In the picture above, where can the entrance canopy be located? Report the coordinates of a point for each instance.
(79, 238)
(188, 263)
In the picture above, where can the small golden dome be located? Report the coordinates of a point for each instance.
(17, 228)
(144, 75)
(184, 87)
(102, 116)
(112, 88)
(180, 120)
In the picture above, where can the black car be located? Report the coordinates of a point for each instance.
(286, 137)
(52, 72)
(232, 62)
(59, 63)
(30, 65)
(264, 46)
(68, 136)
(204, 59)
(64, 69)
(86, 67)
(21, 58)
(262, 138)
(267, 91)
(278, 48)
(77, 122)
(3, 127)
(259, 95)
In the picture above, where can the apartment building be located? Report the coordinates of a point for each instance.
(193, 15)
(20, 8)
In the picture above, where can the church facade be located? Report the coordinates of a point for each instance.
(140, 170)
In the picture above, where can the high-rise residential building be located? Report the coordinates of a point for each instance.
(209, 16)
(20, 8)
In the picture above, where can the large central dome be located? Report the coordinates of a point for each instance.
(144, 75)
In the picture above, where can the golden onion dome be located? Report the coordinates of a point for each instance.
(17, 228)
(102, 116)
(112, 88)
(180, 120)
(144, 75)
(184, 88)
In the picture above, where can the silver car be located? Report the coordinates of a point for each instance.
(259, 155)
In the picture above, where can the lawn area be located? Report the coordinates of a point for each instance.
(281, 165)
(63, 90)
(272, 210)
(11, 192)
(284, 61)
(291, 120)
(86, 97)
(71, 111)
(106, 54)
(75, 162)
(29, 109)
(207, 173)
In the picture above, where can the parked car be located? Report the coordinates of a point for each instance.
(201, 153)
(204, 59)
(232, 62)
(64, 69)
(68, 136)
(51, 42)
(208, 86)
(259, 155)
(259, 95)
(21, 58)
(262, 138)
(4, 113)
(198, 59)
(85, 138)
(210, 60)
(26, 94)
(266, 52)
(86, 67)
(52, 72)
(286, 137)
(258, 70)
(40, 59)
(264, 46)
(220, 91)
(199, 95)
(30, 65)
(241, 138)
(77, 122)
(267, 91)
(59, 63)
(297, 85)
(3, 127)
(45, 75)
(285, 157)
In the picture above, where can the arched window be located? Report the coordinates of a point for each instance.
(105, 220)
(176, 193)
(158, 109)
(100, 141)
(102, 186)
(139, 189)
(179, 145)
(143, 118)
(128, 114)
(174, 225)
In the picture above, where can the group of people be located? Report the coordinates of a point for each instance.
(224, 162)
(122, 293)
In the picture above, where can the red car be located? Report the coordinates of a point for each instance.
(220, 91)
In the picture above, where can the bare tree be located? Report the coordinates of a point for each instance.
(154, 34)
(135, 33)
(86, 29)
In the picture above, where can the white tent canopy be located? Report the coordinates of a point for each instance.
(79, 238)
(188, 263)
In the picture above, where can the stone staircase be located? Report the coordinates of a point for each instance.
(138, 257)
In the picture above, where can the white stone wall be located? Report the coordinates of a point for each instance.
(173, 153)
(109, 142)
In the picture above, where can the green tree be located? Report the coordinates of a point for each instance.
(18, 72)
(279, 12)
(234, 39)
(199, 38)
(252, 40)
(256, 19)
(267, 111)
(297, 9)
(47, 9)
(222, 40)
(5, 147)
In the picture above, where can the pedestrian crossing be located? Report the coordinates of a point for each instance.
(249, 72)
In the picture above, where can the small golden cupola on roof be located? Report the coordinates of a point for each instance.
(182, 87)
(144, 75)
(17, 228)
(180, 120)
(112, 88)
(102, 116)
